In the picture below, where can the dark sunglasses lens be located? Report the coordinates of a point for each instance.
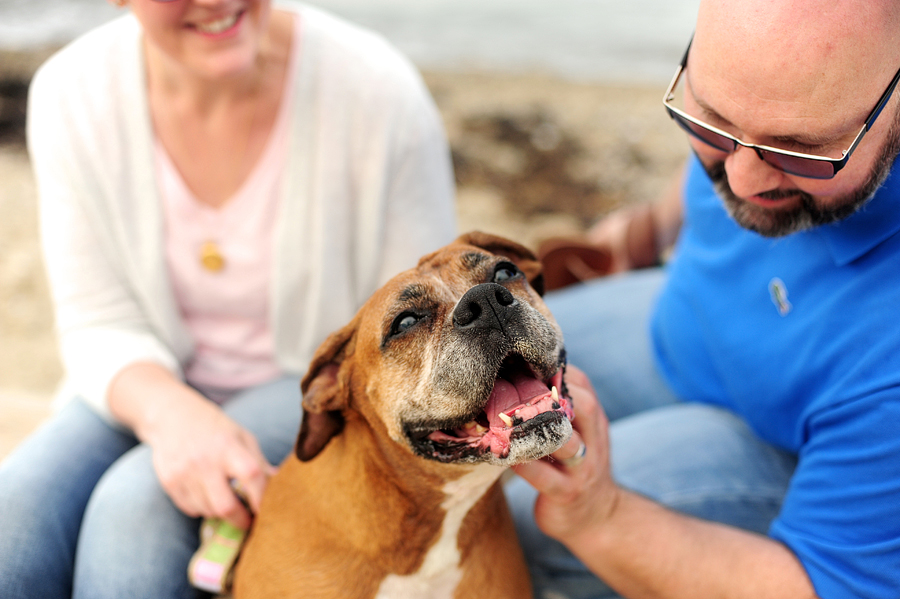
(710, 138)
(802, 167)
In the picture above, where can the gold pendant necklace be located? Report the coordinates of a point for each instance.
(210, 257)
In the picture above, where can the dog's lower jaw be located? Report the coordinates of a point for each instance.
(532, 440)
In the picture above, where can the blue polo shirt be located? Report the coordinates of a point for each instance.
(800, 336)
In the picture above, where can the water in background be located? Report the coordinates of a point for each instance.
(604, 40)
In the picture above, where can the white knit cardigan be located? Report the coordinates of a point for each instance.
(369, 188)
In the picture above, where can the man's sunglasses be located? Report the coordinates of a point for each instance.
(793, 163)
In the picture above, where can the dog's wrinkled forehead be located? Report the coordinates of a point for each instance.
(438, 281)
(467, 258)
(454, 272)
(414, 306)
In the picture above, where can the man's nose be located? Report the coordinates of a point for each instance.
(749, 175)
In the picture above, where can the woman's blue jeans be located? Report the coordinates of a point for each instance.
(82, 513)
(693, 458)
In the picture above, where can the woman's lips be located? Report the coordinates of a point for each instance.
(219, 26)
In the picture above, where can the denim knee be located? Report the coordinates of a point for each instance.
(134, 541)
(37, 546)
(44, 488)
(704, 461)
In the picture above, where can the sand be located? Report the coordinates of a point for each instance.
(535, 156)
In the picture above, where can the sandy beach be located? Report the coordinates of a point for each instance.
(536, 156)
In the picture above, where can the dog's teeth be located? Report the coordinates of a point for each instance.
(474, 427)
(506, 419)
(554, 393)
(517, 419)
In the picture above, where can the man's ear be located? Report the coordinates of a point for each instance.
(325, 394)
(518, 254)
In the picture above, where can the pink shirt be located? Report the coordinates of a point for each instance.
(227, 311)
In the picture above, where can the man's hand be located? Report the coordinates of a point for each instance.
(638, 547)
(641, 235)
(612, 233)
(575, 498)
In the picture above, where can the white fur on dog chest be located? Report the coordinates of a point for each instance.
(440, 572)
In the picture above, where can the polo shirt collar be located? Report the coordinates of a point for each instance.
(862, 231)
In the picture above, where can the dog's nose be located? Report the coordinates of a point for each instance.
(484, 306)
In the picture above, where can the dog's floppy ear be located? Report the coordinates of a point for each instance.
(325, 394)
(520, 255)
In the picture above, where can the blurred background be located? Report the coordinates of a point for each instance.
(552, 107)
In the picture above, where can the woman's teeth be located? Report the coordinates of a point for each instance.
(219, 25)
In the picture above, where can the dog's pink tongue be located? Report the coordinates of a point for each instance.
(509, 392)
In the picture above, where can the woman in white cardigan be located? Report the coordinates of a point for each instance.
(222, 183)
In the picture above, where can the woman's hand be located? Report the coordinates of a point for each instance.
(200, 455)
(577, 498)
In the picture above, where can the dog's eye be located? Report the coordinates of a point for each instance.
(404, 322)
(506, 271)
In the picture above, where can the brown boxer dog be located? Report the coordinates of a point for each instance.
(448, 374)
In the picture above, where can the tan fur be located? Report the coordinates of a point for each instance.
(337, 525)
(492, 513)
(363, 511)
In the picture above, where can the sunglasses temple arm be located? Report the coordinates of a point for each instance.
(686, 52)
(883, 102)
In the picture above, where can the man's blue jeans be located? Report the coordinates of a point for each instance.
(82, 513)
(693, 458)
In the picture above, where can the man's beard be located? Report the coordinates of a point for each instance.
(773, 222)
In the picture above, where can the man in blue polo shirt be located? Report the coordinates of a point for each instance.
(753, 386)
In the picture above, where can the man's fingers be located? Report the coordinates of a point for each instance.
(576, 376)
(543, 476)
(590, 420)
(570, 449)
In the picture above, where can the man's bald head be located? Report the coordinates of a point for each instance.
(826, 55)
